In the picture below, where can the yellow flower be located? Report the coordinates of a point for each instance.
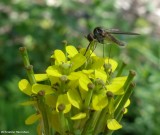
(79, 91)
(116, 85)
(26, 88)
(63, 66)
(99, 101)
(63, 99)
(112, 124)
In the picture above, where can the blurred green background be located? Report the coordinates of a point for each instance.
(42, 25)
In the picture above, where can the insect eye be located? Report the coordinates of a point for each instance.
(98, 30)
(90, 37)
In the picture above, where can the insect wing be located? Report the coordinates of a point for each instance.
(117, 31)
(124, 33)
(114, 40)
(112, 30)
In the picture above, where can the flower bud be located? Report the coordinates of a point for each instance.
(64, 42)
(132, 72)
(41, 93)
(109, 94)
(22, 49)
(65, 66)
(61, 107)
(99, 81)
(107, 67)
(63, 78)
(91, 86)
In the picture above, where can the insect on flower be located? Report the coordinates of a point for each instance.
(100, 35)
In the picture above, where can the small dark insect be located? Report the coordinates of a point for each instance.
(100, 35)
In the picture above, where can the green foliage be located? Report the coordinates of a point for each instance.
(41, 28)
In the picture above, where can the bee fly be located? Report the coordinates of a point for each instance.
(100, 35)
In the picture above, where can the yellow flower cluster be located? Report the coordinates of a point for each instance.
(79, 93)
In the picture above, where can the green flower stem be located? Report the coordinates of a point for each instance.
(119, 118)
(24, 54)
(77, 124)
(29, 68)
(127, 83)
(40, 101)
(95, 118)
(62, 123)
(69, 122)
(86, 107)
(124, 100)
(88, 98)
(42, 107)
(91, 122)
(103, 116)
(129, 79)
(121, 69)
(100, 123)
(83, 122)
(30, 74)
